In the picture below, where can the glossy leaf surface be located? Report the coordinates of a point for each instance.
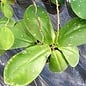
(22, 37)
(57, 62)
(73, 33)
(39, 24)
(79, 7)
(24, 67)
(71, 55)
(6, 38)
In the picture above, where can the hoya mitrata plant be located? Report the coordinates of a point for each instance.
(36, 35)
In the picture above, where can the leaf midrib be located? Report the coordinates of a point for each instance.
(28, 61)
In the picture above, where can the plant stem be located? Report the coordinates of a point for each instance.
(58, 21)
(35, 6)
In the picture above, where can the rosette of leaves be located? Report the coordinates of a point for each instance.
(35, 33)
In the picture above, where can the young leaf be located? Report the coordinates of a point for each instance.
(6, 38)
(73, 33)
(71, 55)
(39, 23)
(24, 67)
(7, 10)
(22, 37)
(57, 62)
(79, 7)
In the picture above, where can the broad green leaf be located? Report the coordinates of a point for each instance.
(4, 22)
(24, 67)
(6, 38)
(73, 33)
(79, 7)
(32, 24)
(57, 62)
(7, 10)
(71, 55)
(39, 23)
(22, 37)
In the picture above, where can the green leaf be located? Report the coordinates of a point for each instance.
(24, 67)
(7, 22)
(38, 23)
(57, 62)
(71, 55)
(7, 10)
(22, 37)
(4, 1)
(6, 38)
(79, 7)
(73, 33)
